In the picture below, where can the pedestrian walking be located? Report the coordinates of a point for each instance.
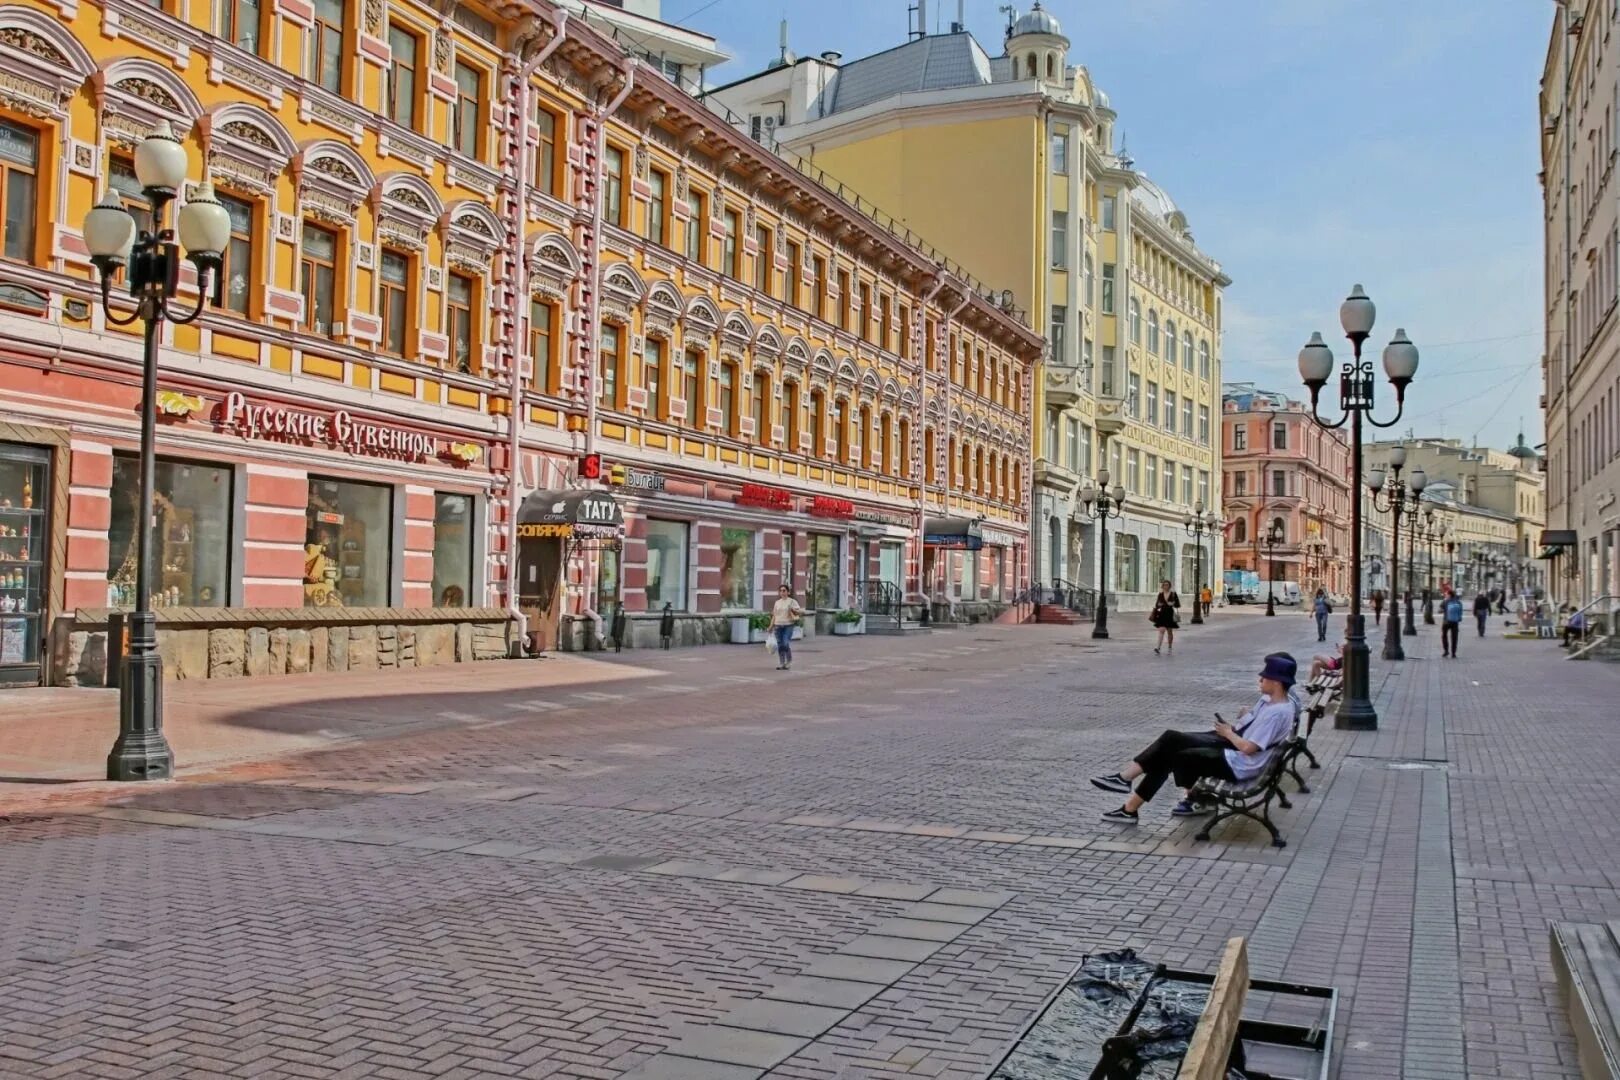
(1206, 596)
(1322, 609)
(1378, 605)
(1482, 611)
(1451, 616)
(1164, 617)
(784, 614)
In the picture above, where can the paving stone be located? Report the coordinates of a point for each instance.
(859, 969)
(949, 913)
(981, 898)
(895, 890)
(736, 1046)
(834, 993)
(918, 929)
(783, 1017)
(822, 883)
(669, 1067)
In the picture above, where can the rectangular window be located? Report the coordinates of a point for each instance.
(1133, 471)
(1085, 450)
(1108, 289)
(395, 301)
(1203, 486)
(1186, 418)
(452, 550)
(191, 534)
(317, 272)
(866, 312)
(121, 178)
(1279, 436)
(401, 76)
(542, 345)
(790, 417)
(736, 568)
(327, 38)
(1279, 483)
(730, 256)
(608, 349)
(653, 358)
(1152, 490)
(1060, 239)
(844, 298)
(1053, 448)
(348, 544)
(1187, 484)
(1240, 437)
(658, 206)
(1074, 445)
(1240, 484)
(728, 400)
(691, 386)
(759, 410)
(238, 271)
(905, 333)
(238, 23)
(545, 150)
(696, 226)
(1170, 410)
(1133, 394)
(613, 186)
(818, 266)
(1203, 425)
(1153, 403)
(885, 314)
(1108, 211)
(824, 577)
(1060, 320)
(763, 274)
(666, 564)
(607, 579)
(1108, 378)
(466, 126)
(795, 283)
(838, 439)
(818, 423)
(1169, 481)
(1090, 283)
(461, 300)
(1060, 151)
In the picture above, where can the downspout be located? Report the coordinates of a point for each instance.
(520, 265)
(943, 344)
(593, 324)
(919, 335)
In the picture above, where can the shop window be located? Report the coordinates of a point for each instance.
(452, 550)
(121, 178)
(238, 21)
(824, 578)
(542, 345)
(728, 399)
(1127, 563)
(348, 544)
(736, 568)
(758, 409)
(395, 300)
(607, 580)
(608, 389)
(461, 299)
(545, 150)
(401, 75)
(191, 533)
(466, 123)
(1161, 556)
(25, 498)
(730, 255)
(239, 269)
(692, 384)
(764, 276)
(327, 44)
(317, 274)
(666, 564)
(657, 206)
(696, 226)
(653, 359)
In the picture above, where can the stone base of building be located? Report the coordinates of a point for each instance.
(641, 632)
(216, 643)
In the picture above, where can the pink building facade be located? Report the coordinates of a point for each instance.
(1285, 474)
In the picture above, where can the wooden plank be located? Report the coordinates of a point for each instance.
(1212, 1040)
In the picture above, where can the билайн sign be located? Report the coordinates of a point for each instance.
(341, 430)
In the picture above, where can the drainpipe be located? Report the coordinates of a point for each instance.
(520, 274)
(919, 335)
(943, 343)
(593, 323)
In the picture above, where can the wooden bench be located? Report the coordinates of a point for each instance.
(1586, 962)
(1210, 1051)
(1250, 798)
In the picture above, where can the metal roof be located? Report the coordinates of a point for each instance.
(936, 62)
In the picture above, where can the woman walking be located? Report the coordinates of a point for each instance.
(1378, 606)
(1164, 617)
(785, 613)
(1322, 609)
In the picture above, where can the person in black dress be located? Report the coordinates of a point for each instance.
(1164, 616)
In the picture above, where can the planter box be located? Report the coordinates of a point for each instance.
(849, 629)
(739, 629)
(757, 637)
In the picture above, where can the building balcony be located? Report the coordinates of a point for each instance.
(1065, 386)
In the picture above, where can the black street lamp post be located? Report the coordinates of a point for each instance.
(152, 259)
(1396, 498)
(1356, 386)
(1273, 538)
(1197, 524)
(1428, 530)
(1099, 504)
(1412, 536)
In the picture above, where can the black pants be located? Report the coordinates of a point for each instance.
(1480, 618)
(1190, 755)
(1448, 637)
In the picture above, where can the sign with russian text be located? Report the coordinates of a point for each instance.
(830, 506)
(340, 429)
(770, 497)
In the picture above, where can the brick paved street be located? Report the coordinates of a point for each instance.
(687, 864)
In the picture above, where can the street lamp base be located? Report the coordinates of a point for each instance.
(141, 752)
(1271, 608)
(1099, 631)
(1198, 616)
(1356, 714)
(1392, 640)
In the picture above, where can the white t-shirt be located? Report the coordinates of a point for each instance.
(1267, 724)
(785, 611)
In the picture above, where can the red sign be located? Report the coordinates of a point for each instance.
(760, 495)
(828, 506)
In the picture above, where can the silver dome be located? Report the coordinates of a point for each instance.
(1037, 21)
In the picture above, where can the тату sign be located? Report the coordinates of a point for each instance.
(258, 421)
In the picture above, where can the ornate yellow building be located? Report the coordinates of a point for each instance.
(438, 212)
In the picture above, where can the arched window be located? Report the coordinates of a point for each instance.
(1153, 332)
(1203, 359)
(1051, 69)
(1161, 555)
(1018, 479)
(1279, 529)
(1240, 532)
(1170, 341)
(1029, 65)
(1136, 322)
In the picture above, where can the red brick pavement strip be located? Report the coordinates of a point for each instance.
(328, 945)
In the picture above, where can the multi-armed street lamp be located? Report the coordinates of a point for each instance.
(1397, 496)
(1434, 532)
(1356, 386)
(151, 258)
(1199, 524)
(1099, 504)
(1418, 525)
(1274, 536)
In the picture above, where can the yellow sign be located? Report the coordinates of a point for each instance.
(535, 532)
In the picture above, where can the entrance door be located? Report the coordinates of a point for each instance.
(25, 494)
(540, 562)
(889, 561)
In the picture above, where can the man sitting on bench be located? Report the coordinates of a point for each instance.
(1227, 753)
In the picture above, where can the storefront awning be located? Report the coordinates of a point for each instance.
(953, 533)
(1557, 538)
(570, 513)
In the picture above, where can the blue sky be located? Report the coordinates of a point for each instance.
(1312, 144)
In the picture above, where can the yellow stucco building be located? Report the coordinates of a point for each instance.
(1009, 164)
